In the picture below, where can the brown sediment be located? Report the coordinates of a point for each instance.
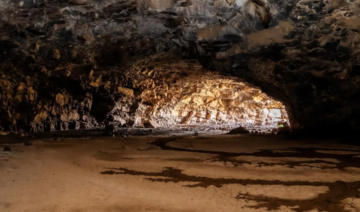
(329, 201)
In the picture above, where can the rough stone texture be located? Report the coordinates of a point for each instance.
(76, 60)
(165, 95)
(208, 100)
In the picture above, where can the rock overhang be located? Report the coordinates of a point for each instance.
(300, 52)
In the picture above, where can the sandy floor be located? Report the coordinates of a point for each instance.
(180, 174)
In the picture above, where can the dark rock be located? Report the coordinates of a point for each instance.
(239, 130)
(27, 143)
(7, 149)
(284, 131)
(148, 125)
(60, 76)
(109, 129)
(101, 107)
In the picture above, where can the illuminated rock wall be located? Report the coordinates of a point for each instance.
(212, 101)
(171, 95)
(64, 62)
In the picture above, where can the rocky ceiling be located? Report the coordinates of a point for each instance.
(152, 61)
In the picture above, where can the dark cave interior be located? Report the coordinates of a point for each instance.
(180, 105)
(87, 64)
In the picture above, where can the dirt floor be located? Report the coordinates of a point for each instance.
(220, 173)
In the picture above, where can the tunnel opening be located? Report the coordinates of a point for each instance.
(207, 101)
(302, 53)
(147, 105)
(116, 81)
(164, 95)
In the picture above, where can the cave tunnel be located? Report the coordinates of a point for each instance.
(179, 105)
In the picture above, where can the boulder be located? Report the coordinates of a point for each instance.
(239, 130)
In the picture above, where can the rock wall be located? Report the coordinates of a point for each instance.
(210, 101)
(168, 96)
(66, 61)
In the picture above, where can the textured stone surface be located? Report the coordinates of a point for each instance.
(76, 60)
(171, 95)
(212, 101)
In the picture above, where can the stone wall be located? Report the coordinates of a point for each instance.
(168, 96)
(81, 57)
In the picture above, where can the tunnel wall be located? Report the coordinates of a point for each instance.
(56, 56)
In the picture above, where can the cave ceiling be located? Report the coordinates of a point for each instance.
(93, 57)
